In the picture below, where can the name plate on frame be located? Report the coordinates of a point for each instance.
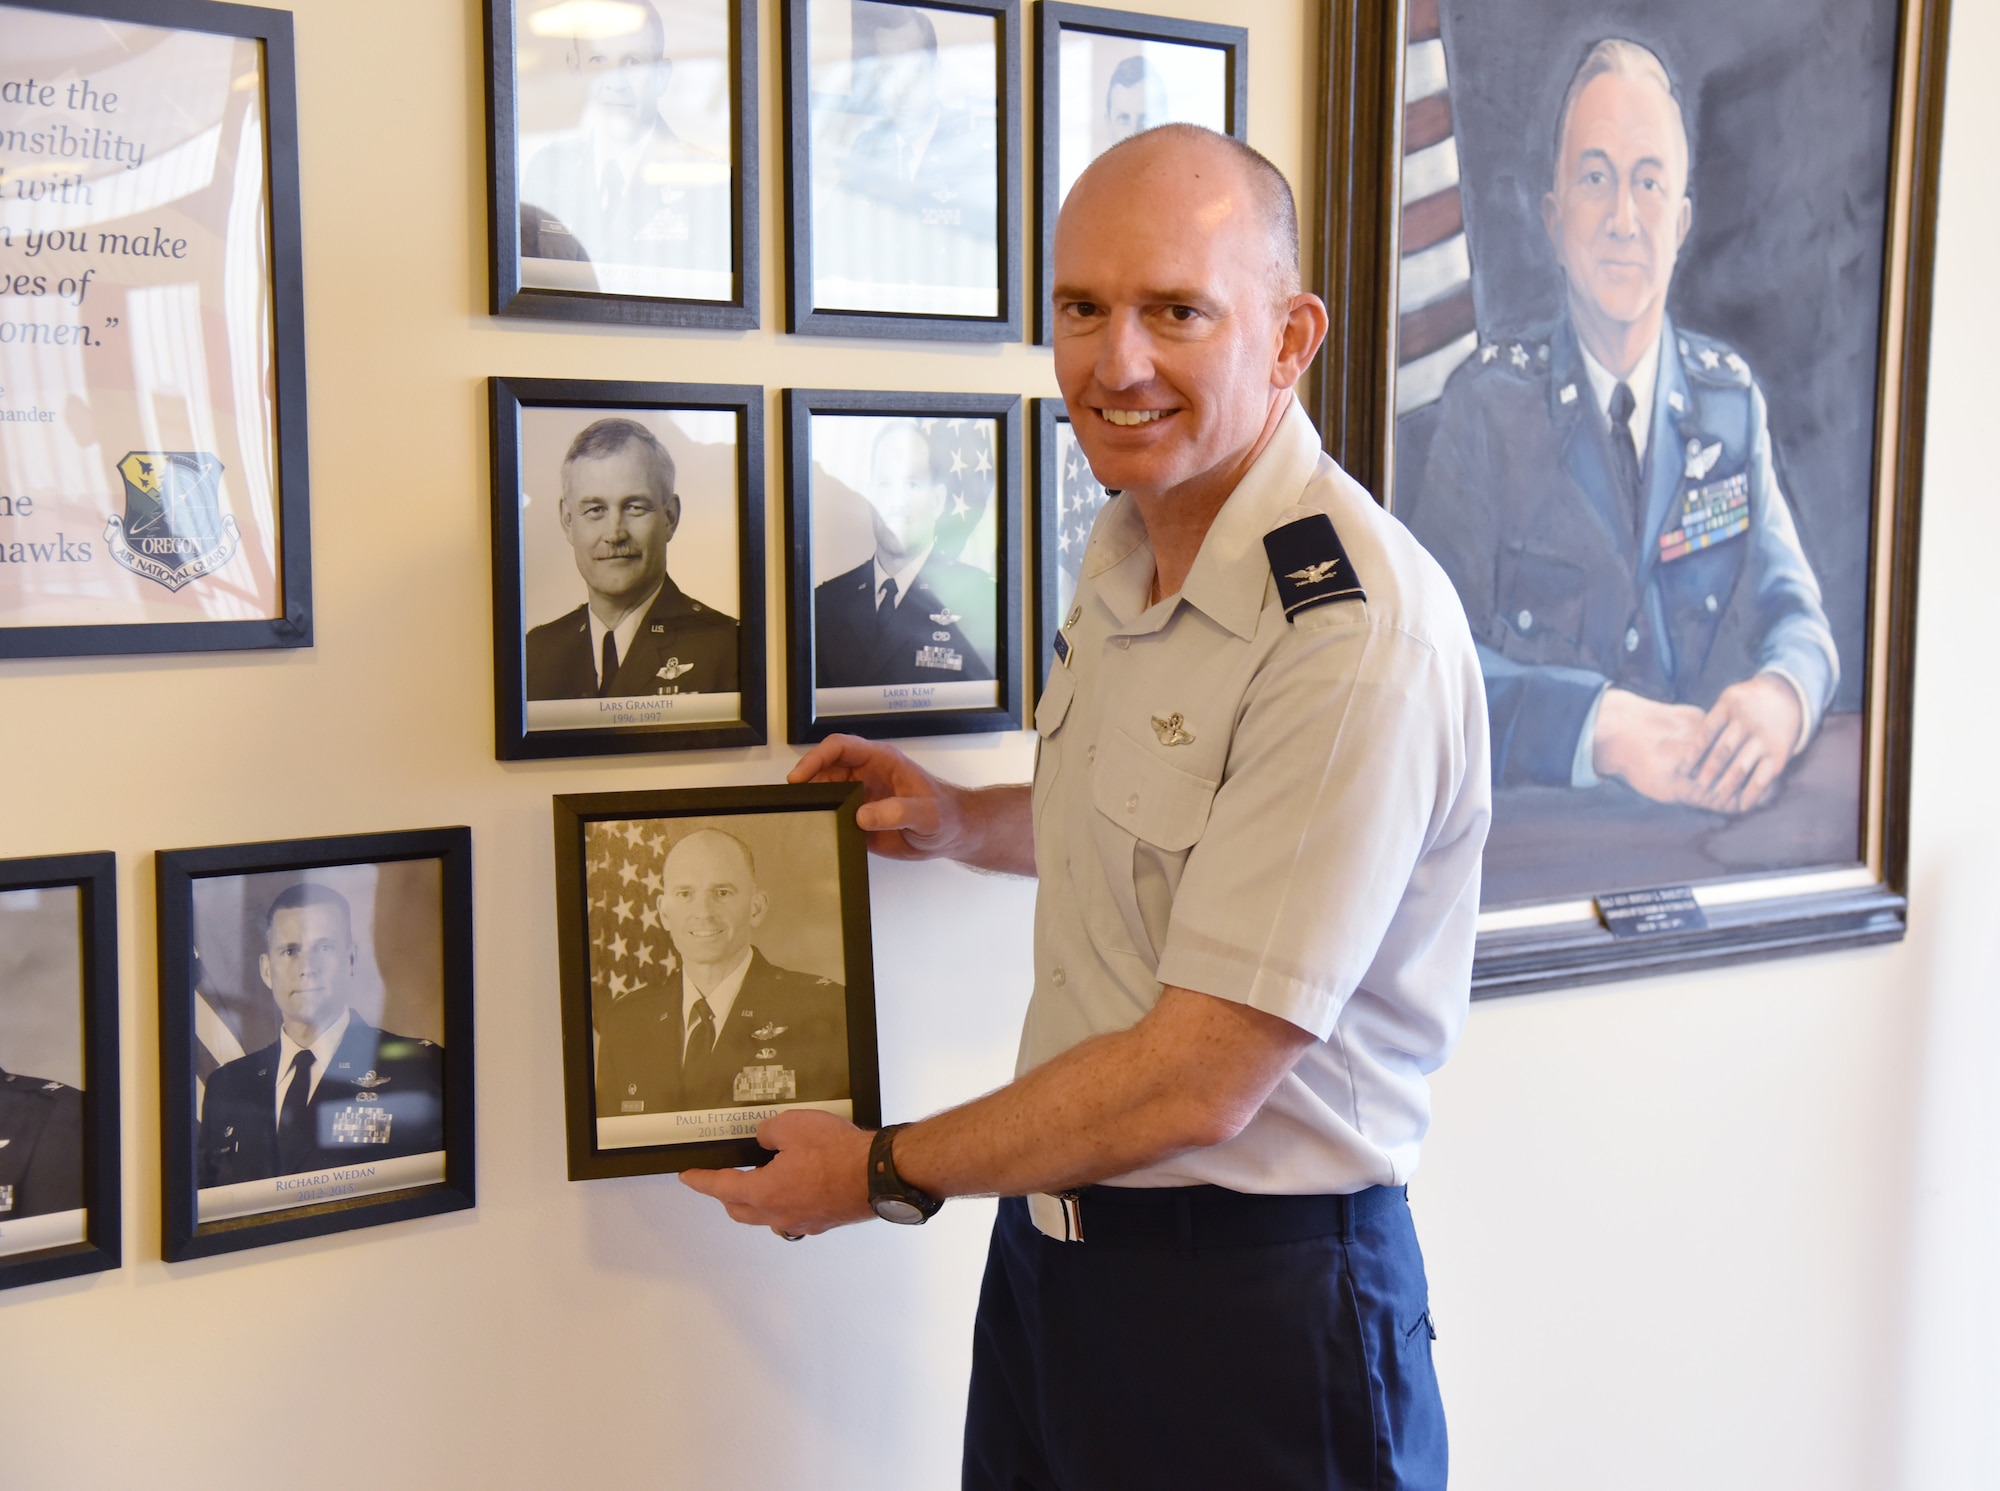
(1641, 913)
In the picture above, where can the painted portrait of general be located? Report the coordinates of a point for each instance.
(1640, 290)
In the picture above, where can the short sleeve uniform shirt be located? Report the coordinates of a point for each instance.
(1284, 813)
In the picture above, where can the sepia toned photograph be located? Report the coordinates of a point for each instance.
(316, 1004)
(628, 566)
(624, 158)
(1068, 499)
(715, 970)
(904, 171)
(58, 1068)
(1107, 75)
(1654, 415)
(905, 599)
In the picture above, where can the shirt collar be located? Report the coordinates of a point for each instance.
(721, 999)
(904, 577)
(1643, 382)
(322, 1049)
(625, 631)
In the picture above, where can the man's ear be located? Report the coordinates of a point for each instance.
(563, 514)
(1299, 339)
(672, 509)
(760, 906)
(1552, 223)
(1684, 221)
(264, 971)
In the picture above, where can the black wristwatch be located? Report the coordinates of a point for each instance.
(895, 1199)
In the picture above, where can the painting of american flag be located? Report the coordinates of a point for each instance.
(1068, 500)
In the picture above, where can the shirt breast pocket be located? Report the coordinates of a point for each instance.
(1054, 703)
(1540, 598)
(1150, 814)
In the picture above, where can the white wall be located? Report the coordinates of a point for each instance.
(1728, 1231)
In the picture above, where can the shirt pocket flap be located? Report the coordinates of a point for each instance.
(1054, 703)
(1147, 797)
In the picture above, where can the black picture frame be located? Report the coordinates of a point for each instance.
(95, 879)
(509, 297)
(182, 1235)
(1052, 515)
(1364, 133)
(802, 314)
(272, 30)
(574, 814)
(507, 398)
(1052, 18)
(804, 723)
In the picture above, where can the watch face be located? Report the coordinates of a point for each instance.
(896, 1209)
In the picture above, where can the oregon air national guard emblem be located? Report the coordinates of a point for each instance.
(174, 530)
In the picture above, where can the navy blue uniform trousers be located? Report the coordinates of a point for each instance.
(1200, 1339)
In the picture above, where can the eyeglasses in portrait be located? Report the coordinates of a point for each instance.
(904, 171)
(59, 1143)
(1107, 75)
(316, 1026)
(905, 590)
(1653, 411)
(628, 567)
(716, 970)
(624, 143)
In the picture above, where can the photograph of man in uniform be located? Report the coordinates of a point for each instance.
(621, 188)
(332, 1089)
(41, 1056)
(912, 613)
(637, 633)
(718, 1024)
(41, 1147)
(1135, 99)
(906, 210)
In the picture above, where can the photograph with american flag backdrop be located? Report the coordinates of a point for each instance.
(1068, 499)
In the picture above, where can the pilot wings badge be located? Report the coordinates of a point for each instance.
(173, 530)
(1701, 459)
(674, 669)
(1172, 730)
(945, 617)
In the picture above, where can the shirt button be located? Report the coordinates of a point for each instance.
(1710, 603)
(1632, 639)
(1124, 642)
(1525, 620)
(1132, 803)
(1090, 754)
(1058, 977)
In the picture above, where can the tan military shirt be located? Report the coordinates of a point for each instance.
(1285, 813)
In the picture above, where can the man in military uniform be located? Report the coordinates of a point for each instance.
(726, 1025)
(910, 614)
(638, 633)
(624, 188)
(332, 1089)
(41, 1147)
(1135, 99)
(1602, 494)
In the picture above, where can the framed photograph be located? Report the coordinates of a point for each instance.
(622, 138)
(903, 523)
(59, 1174)
(628, 566)
(1104, 76)
(903, 169)
(315, 1037)
(1642, 363)
(716, 969)
(1067, 501)
(152, 338)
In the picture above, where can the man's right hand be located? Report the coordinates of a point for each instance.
(910, 814)
(1651, 747)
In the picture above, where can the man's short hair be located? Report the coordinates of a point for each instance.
(1614, 55)
(609, 436)
(873, 21)
(652, 25)
(1272, 192)
(1134, 72)
(749, 857)
(940, 461)
(306, 893)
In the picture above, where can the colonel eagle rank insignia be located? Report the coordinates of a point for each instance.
(1310, 566)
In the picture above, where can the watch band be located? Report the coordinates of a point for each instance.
(892, 1198)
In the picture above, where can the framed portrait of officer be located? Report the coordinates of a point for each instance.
(315, 1036)
(903, 169)
(628, 566)
(716, 970)
(1651, 327)
(903, 518)
(1106, 75)
(622, 138)
(59, 1144)
(1068, 499)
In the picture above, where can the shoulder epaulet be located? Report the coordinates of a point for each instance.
(1524, 356)
(1310, 566)
(1712, 361)
(37, 1086)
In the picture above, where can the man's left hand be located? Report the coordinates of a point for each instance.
(818, 1181)
(1751, 732)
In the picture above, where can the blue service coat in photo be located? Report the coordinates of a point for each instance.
(1565, 593)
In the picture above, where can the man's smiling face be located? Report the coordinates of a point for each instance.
(1166, 342)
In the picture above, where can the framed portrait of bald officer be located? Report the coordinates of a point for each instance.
(315, 1036)
(1106, 75)
(904, 563)
(59, 1143)
(1640, 303)
(716, 970)
(622, 138)
(628, 566)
